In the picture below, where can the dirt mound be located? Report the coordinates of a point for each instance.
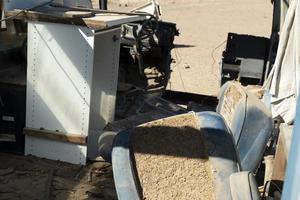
(171, 160)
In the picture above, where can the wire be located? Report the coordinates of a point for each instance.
(178, 62)
(178, 58)
(181, 79)
(25, 10)
(213, 51)
(213, 58)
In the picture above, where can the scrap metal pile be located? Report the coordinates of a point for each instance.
(87, 88)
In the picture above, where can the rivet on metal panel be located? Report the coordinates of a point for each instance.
(113, 69)
(33, 68)
(115, 38)
(85, 74)
(31, 146)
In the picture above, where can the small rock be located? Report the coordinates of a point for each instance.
(7, 171)
(187, 66)
(5, 196)
(3, 180)
(21, 173)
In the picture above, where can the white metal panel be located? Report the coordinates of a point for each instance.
(104, 86)
(59, 76)
(55, 150)
(71, 86)
(68, 88)
(60, 64)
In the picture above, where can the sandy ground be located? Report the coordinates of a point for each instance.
(31, 178)
(204, 25)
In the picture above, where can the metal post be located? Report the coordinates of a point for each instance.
(292, 175)
(103, 4)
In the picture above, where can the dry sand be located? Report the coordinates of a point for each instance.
(232, 97)
(204, 25)
(171, 160)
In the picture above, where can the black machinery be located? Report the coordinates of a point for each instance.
(245, 59)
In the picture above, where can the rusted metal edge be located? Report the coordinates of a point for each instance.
(56, 136)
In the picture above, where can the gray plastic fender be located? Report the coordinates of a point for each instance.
(243, 186)
(221, 150)
(250, 122)
(123, 171)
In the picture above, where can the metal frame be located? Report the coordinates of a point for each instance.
(71, 87)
